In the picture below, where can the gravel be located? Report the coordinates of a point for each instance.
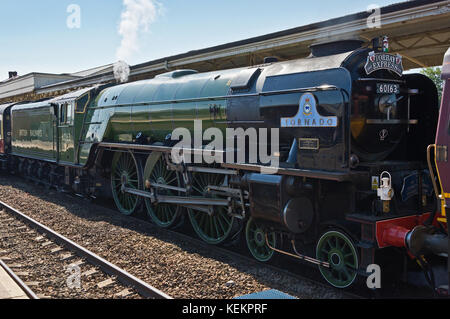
(169, 262)
(43, 267)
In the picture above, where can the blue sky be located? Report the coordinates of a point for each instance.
(34, 36)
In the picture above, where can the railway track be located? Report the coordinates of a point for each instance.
(296, 270)
(187, 234)
(296, 266)
(17, 224)
(235, 254)
(197, 270)
(124, 277)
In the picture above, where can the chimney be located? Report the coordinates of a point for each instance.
(12, 74)
(270, 59)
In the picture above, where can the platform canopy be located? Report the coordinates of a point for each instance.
(418, 30)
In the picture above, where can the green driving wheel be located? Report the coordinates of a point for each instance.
(156, 172)
(125, 173)
(338, 250)
(214, 228)
(255, 235)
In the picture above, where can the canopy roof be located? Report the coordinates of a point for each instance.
(419, 30)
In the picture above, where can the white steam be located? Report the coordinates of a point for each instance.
(137, 16)
(121, 71)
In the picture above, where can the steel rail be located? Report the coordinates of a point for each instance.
(18, 281)
(232, 254)
(123, 276)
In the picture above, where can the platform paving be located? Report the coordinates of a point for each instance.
(9, 288)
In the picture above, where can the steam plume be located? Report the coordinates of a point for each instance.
(121, 71)
(137, 16)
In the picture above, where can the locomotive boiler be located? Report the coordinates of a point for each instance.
(351, 180)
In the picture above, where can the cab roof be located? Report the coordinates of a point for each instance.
(3, 107)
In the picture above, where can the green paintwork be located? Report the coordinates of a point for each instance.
(34, 130)
(39, 130)
(118, 113)
(156, 107)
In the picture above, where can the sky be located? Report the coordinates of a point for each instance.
(35, 36)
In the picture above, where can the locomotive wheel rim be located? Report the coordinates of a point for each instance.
(256, 241)
(213, 229)
(338, 250)
(125, 173)
(163, 215)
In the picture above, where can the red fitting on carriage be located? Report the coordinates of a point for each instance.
(394, 236)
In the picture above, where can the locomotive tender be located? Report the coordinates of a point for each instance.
(352, 177)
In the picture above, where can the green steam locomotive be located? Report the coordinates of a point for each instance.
(348, 130)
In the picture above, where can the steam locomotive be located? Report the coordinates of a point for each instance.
(352, 132)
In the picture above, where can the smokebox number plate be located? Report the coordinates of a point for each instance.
(385, 88)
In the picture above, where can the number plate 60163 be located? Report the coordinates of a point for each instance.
(386, 88)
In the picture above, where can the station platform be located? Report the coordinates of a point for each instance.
(9, 289)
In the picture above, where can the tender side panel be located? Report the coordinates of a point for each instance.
(33, 132)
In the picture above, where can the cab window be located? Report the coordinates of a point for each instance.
(69, 114)
(66, 114)
(82, 103)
